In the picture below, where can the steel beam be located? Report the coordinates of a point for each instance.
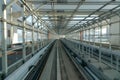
(67, 13)
(72, 2)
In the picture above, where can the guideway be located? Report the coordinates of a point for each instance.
(49, 71)
(59, 66)
(68, 69)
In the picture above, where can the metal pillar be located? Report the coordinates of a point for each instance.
(38, 36)
(119, 28)
(82, 42)
(89, 43)
(33, 35)
(109, 36)
(4, 37)
(94, 37)
(24, 34)
(100, 34)
(119, 42)
(41, 37)
(39, 41)
(85, 34)
(12, 28)
(86, 42)
(83, 45)
(88, 35)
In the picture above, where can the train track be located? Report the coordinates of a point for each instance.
(68, 70)
(36, 70)
(49, 72)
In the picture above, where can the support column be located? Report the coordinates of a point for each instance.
(109, 37)
(83, 43)
(3, 25)
(100, 34)
(12, 28)
(40, 41)
(32, 36)
(93, 40)
(89, 43)
(80, 42)
(94, 36)
(109, 32)
(119, 28)
(38, 36)
(24, 34)
(85, 35)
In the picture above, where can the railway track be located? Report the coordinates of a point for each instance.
(35, 71)
(68, 70)
(49, 71)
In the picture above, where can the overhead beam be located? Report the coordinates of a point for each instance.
(72, 3)
(63, 20)
(66, 13)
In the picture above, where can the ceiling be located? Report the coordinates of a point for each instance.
(65, 14)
